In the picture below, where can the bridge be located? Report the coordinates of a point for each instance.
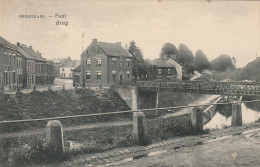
(202, 87)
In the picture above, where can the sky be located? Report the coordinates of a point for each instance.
(216, 27)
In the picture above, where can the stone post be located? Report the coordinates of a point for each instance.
(197, 119)
(140, 129)
(34, 88)
(49, 88)
(236, 115)
(54, 140)
(63, 87)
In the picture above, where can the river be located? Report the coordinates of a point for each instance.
(223, 119)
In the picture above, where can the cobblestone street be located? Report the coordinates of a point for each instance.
(235, 146)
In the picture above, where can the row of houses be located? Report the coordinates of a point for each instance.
(106, 64)
(22, 66)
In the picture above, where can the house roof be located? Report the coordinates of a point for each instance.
(78, 68)
(37, 56)
(4, 42)
(162, 63)
(23, 52)
(68, 63)
(113, 49)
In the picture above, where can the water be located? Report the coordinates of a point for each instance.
(221, 120)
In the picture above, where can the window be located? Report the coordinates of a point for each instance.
(98, 62)
(169, 71)
(114, 77)
(121, 63)
(5, 79)
(128, 63)
(159, 77)
(98, 76)
(169, 78)
(63, 69)
(87, 76)
(88, 63)
(10, 60)
(17, 63)
(159, 71)
(114, 63)
(127, 74)
(14, 77)
(14, 60)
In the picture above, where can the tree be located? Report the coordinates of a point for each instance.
(139, 65)
(168, 49)
(201, 61)
(186, 58)
(222, 63)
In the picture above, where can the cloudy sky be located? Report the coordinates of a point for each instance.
(230, 27)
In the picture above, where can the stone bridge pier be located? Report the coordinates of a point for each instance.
(138, 99)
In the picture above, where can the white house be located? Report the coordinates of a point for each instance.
(178, 67)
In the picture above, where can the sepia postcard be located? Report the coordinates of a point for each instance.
(129, 83)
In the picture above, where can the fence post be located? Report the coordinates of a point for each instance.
(139, 128)
(34, 88)
(197, 119)
(236, 115)
(54, 140)
(63, 87)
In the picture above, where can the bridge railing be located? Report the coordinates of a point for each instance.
(223, 88)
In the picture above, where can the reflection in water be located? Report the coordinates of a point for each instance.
(218, 121)
(223, 117)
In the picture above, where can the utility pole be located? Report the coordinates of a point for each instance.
(82, 63)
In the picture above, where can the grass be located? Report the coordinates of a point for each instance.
(32, 150)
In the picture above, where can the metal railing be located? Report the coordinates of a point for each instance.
(122, 112)
(220, 88)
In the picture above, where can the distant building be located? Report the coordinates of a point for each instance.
(168, 70)
(67, 65)
(106, 63)
(57, 69)
(171, 59)
(76, 76)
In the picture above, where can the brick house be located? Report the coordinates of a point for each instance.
(40, 65)
(8, 65)
(28, 65)
(107, 64)
(168, 70)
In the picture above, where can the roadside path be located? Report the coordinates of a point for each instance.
(234, 146)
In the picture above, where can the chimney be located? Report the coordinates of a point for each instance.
(94, 40)
(119, 43)
(30, 47)
(18, 44)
